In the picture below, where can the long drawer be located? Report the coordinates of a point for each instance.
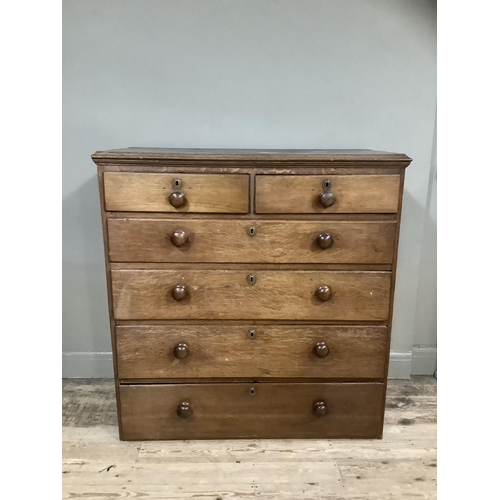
(244, 410)
(252, 352)
(191, 240)
(260, 294)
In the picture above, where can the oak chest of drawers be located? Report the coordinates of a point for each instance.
(250, 292)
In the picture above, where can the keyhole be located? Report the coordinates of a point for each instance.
(251, 334)
(252, 391)
(327, 185)
(177, 183)
(251, 231)
(251, 279)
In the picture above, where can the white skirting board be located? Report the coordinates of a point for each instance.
(424, 360)
(400, 364)
(420, 361)
(87, 365)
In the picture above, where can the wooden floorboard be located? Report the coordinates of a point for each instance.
(96, 465)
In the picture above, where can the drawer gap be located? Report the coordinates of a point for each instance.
(186, 381)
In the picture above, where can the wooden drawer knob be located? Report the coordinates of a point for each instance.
(179, 292)
(177, 199)
(181, 351)
(324, 293)
(326, 199)
(321, 350)
(324, 241)
(178, 238)
(184, 410)
(320, 409)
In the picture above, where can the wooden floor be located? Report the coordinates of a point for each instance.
(96, 465)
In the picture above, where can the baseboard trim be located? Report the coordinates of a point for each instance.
(87, 365)
(422, 361)
(400, 364)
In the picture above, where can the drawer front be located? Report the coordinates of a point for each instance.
(244, 351)
(211, 193)
(223, 294)
(240, 410)
(172, 240)
(300, 194)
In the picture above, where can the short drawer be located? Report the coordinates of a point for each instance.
(210, 193)
(255, 352)
(190, 240)
(303, 194)
(258, 294)
(241, 410)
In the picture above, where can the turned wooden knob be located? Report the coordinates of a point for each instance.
(324, 293)
(181, 351)
(177, 199)
(179, 292)
(326, 199)
(320, 409)
(178, 238)
(184, 410)
(324, 240)
(321, 350)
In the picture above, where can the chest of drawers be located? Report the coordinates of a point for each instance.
(250, 292)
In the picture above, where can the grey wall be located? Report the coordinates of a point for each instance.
(272, 74)
(425, 334)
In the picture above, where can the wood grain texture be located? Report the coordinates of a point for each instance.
(219, 351)
(213, 193)
(297, 167)
(256, 217)
(212, 256)
(306, 156)
(232, 411)
(112, 322)
(149, 240)
(249, 267)
(353, 193)
(96, 465)
(393, 277)
(222, 294)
